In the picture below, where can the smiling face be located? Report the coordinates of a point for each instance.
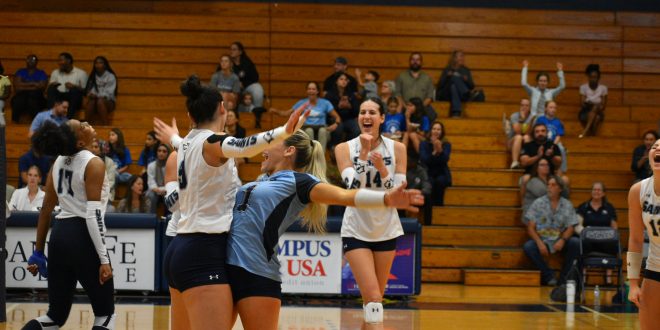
(312, 90)
(654, 157)
(542, 82)
(370, 118)
(273, 157)
(436, 131)
(597, 191)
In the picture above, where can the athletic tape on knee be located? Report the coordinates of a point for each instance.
(96, 228)
(634, 265)
(252, 145)
(373, 312)
(172, 195)
(104, 322)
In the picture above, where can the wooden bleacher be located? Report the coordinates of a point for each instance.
(477, 237)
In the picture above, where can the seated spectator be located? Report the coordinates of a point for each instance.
(148, 154)
(29, 83)
(347, 107)
(416, 83)
(369, 84)
(418, 123)
(31, 197)
(156, 177)
(640, 159)
(57, 114)
(540, 94)
(537, 186)
(227, 82)
(594, 101)
(246, 71)
(233, 128)
(100, 148)
(417, 177)
(519, 125)
(341, 67)
(67, 83)
(394, 126)
(434, 154)
(539, 147)
(29, 159)
(135, 200)
(5, 90)
(101, 91)
(321, 109)
(246, 104)
(550, 220)
(455, 83)
(555, 131)
(388, 90)
(119, 154)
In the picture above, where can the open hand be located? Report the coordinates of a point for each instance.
(402, 198)
(560, 66)
(525, 63)
(164, 132)
(297, 118)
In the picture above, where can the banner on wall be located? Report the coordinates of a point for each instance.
(132, 253)
(310, 263)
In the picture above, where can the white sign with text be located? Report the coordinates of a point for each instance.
(310, 263)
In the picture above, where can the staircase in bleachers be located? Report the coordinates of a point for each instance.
(477, 237)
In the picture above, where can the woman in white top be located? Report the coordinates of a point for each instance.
(208, 180)
(368, 235)
(30, 197)
(594, 100)
(540, 94)
(644, 211)
(101, 92)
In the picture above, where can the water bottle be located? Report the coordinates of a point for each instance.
(596, 296)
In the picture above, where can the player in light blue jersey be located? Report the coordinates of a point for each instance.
(264, 209)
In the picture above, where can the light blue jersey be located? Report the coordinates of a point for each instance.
(262, 213)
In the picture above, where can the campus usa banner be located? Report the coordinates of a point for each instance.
(402, 274)
(131, 250)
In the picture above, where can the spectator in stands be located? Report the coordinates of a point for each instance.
(5, 90)
(455, 84)
(594, 101)
(347, 107)
(120, 155)
(539, 147)
(68, 83)
(417, 177)
(29, 159)
(369, 84)
(550, 220)
(247, 103)
(418, 123)
(156, 177)
(246, 71)
(537, 186)
(322, 110)
(57, 114)
(100, 148)
(101, 91)
(135, 200)
(31, 197)
(555, 130)
(519, 125)
(640, 159)
(415, 83)
(434, 154)
(394, 126)
(227, 82)
(30, 83)
(341, 66)
(387, 90)
(148, 154)
(540, 94)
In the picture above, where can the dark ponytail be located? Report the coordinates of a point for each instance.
(201, 101)
(54, 140)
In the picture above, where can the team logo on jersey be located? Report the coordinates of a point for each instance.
(650, 208)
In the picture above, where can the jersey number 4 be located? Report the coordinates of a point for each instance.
(65, 179)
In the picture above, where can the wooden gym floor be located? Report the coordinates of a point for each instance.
(438, 307)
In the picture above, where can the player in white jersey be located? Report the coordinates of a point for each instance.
(644, 211)
(76, 246)
(369, 235)
(195, 259)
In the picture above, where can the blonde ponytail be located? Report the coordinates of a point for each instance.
(310, 159)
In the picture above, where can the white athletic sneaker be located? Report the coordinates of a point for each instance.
(515, 165)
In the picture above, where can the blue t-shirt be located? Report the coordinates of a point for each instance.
(319, 113)
(393, 123)
(36, 76)
(146, 157)
(45, 116)
(555, 127)
(262, 213)
(121, 162)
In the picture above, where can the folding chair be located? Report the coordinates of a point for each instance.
(600, 249)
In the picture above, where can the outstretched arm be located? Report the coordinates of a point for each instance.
(399, 197)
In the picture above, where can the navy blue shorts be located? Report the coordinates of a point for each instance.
(245, 284)
(351, 243)
(197, 259)
(651, 275)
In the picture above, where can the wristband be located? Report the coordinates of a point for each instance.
(634, 265)
(369, 198)
(175, 141)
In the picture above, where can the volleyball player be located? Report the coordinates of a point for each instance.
(76, 247)
(644, 211)
(374, 162)
(265, 209)
(195, 259)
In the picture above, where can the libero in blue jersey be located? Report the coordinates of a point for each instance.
(265, 209)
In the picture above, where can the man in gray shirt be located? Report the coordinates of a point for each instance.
(414, 82)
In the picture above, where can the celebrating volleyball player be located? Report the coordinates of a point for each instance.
(644, 211)
(76, 247)
(374, 162)
(195, 259)
(264, 209)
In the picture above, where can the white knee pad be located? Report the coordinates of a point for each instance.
(373, 312)
(104, 322)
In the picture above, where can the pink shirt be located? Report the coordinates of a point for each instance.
(593, 96)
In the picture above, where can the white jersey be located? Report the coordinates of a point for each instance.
(206, 193)
(651, 216)
(372, 225)
(69, 181)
